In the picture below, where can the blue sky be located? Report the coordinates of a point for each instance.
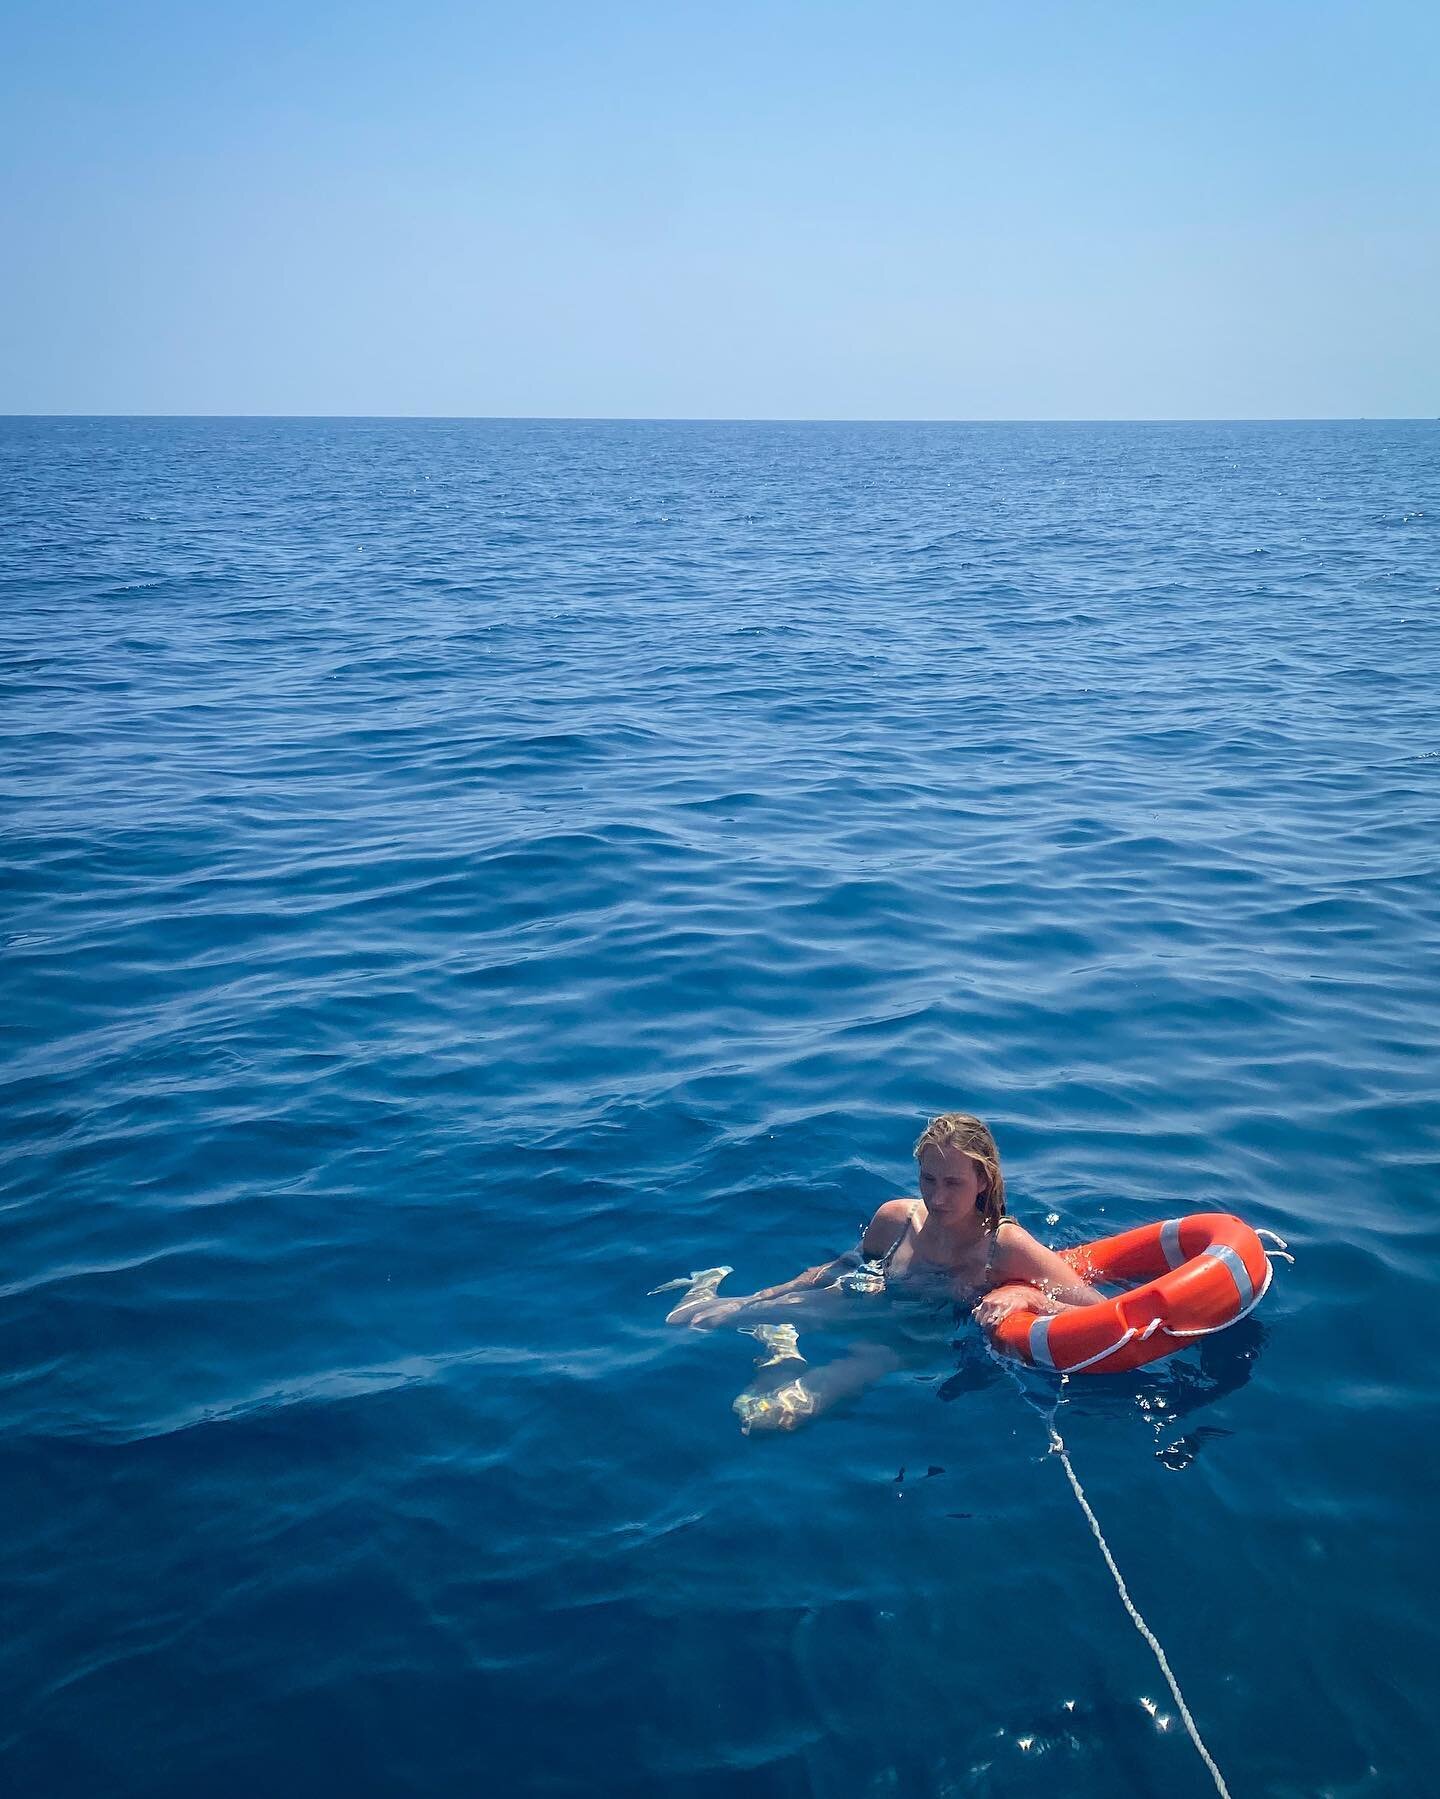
(899, 210)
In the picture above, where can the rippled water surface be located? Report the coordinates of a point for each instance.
(460, 875)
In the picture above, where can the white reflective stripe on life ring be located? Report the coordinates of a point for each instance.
(1239, 1273)
(1040, 1342)
(1170, 1243)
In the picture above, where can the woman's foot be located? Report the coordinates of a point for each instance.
(781, 1340)
(784, 1409)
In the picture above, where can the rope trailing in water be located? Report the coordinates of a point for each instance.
(1057, 1447)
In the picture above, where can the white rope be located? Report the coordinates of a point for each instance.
(1283, 1248)
(1057, 1446)
(1090, 1361)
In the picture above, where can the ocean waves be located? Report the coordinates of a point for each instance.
(460, 875)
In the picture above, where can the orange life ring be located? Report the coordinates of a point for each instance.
(1200, 1273)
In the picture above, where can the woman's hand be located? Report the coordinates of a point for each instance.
(1013, 1297)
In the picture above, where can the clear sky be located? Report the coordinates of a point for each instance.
(798, 209)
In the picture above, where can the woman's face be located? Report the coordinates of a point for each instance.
(950, 1183)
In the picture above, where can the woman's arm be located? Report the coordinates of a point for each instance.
(707, 1313)
(1019, 1257)
(881, 1232)
(819, 1276)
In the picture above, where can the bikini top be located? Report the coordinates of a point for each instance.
(875, 1274)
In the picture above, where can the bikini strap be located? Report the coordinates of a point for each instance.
(905, 1231)
(1000, 1222)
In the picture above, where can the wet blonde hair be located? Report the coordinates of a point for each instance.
(959, 1130)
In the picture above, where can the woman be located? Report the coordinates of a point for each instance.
(954, 1243)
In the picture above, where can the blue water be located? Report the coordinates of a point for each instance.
(459, 875)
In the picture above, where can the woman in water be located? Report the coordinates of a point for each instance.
(955, 1243)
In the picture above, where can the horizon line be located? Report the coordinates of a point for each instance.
(598, 418)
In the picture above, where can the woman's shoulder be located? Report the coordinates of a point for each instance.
(1008, 1240)
(1017, 1255)
(896, 1211)
(885, 1227)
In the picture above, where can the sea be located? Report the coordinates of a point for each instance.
(461, 875)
